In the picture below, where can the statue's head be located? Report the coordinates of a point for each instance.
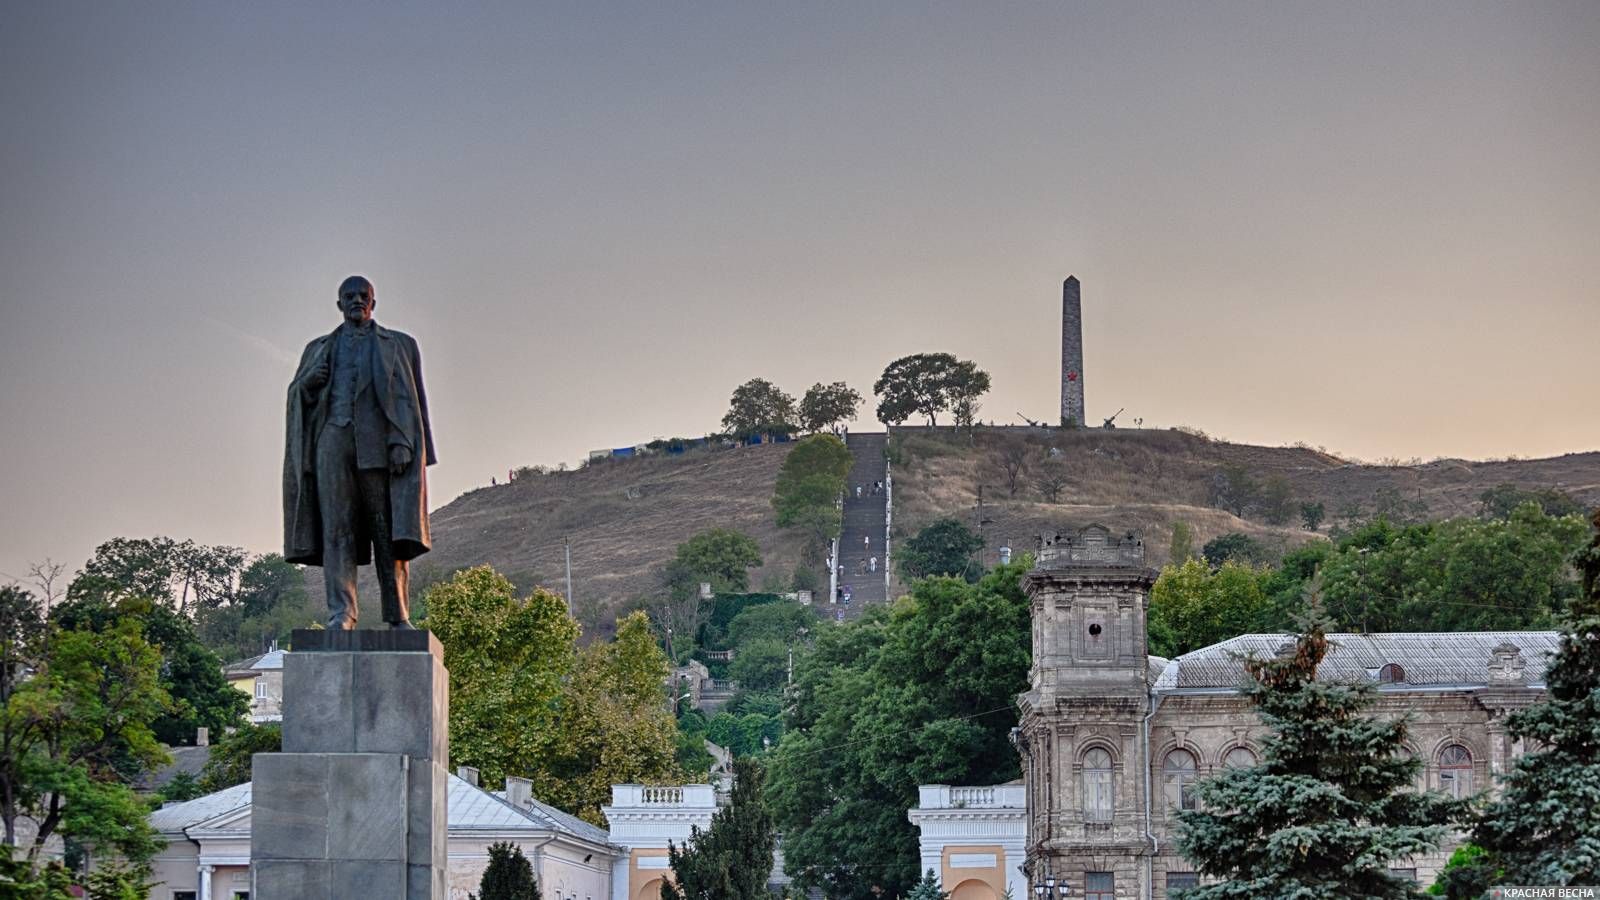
(357, 299)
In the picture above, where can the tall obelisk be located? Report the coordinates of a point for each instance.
(1071, 354)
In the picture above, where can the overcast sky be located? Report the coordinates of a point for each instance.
(1370, 226)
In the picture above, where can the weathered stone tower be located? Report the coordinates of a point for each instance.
(1082, 736)
(1071, 354)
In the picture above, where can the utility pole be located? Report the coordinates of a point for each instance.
(566, 547)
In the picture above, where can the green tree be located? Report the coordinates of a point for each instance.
(614, 724)
(1311, 515)
(784, 621)
(927, 888)
(828, 406)
(230, 759)
(22, 881)
(1330, 806)
(509, 661)
(1457, 575)
(1500, 501)
(928, 384)
(119, 880)
(921, 692)
(1181, 550)
(808, 487)
(1050, 480)
(509, 875)
(1234, 489)
(945, 547)
(191, 675)
(759, 408)
(1234, 547)
(1276, 498)
(1192, 607)
(760, 665)
(179, 574)
(719, 556)
(1544, 827)
(732, 859)
(75, 713)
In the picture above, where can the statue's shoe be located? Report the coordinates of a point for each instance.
(403, 626)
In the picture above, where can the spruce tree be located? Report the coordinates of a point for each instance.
(733, 858)
(927, 888)
(1544, 828)
(508, 877)
(1331, 804)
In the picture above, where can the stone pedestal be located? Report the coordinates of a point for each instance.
(354, 806)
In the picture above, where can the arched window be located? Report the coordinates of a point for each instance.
(1455, 771)
(1391, 673)
(1239, 758)
(1097, 786)
(1177, 779)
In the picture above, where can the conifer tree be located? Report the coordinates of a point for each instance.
(733, 858)
(1544, 828)
(927, 888)
(1331, 804)
(508, 877)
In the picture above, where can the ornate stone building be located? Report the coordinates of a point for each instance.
(1112, 739)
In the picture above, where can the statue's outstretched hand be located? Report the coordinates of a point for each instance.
(399, 458)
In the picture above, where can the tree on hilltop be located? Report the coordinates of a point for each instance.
(928, 384)
(1331, 805)
(758, 407)
(828, 406)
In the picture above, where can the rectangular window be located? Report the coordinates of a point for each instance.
(261, 690)
(1405, 874)
(183, 895)
(1099, 886)
(1097, 796)
(1177, 881)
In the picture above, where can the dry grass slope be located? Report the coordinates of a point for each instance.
(625, 518)
(1147, 480)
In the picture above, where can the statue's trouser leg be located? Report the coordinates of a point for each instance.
(338, 500)
(391, 572)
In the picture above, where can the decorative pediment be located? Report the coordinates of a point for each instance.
(1505, 664)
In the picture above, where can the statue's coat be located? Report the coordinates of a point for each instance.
(397, 380)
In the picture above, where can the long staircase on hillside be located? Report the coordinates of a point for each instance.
(861, 539)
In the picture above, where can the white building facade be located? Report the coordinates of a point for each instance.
(974, 839)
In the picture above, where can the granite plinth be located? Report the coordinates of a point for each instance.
(365, 640)
(355, 806)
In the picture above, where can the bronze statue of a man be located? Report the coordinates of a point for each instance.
(356, 451)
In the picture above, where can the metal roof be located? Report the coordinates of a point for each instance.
(471, 809)
(1440, 658)
(551, 817)
(178, 816)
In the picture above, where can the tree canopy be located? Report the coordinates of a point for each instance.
(827, 406)
(1544, 827)
(190, 674)
(945, 547)
(732, 859)
(918, 693)
(509, 875)
(927, 384)
(525, 701)
(721, 557)
(75, 711)
(758, 407)
(808, 488)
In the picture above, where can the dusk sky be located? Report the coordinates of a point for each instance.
(1368, 226)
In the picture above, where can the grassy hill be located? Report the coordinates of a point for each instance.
(624, 518)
